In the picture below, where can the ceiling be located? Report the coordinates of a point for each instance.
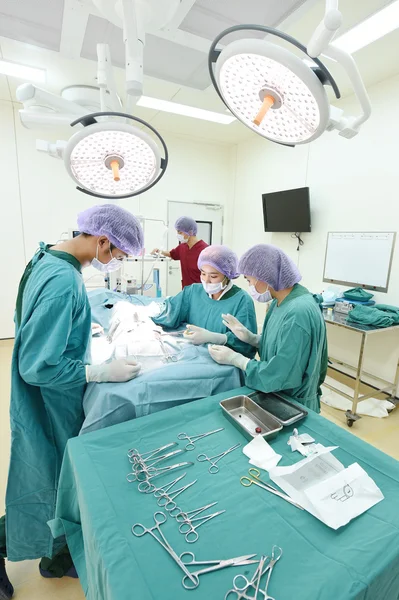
(61, 36)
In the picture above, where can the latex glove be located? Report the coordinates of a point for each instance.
(116, 371)
(198, 335)
(96, 329)
(240, 331)
(227, 356)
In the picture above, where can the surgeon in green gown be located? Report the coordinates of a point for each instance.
(49, 374)
(201, 305)
(293, 345)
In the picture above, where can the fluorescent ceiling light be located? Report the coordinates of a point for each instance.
(22, 71)
(370, 30)
(183, 109)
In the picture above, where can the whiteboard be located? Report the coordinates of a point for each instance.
(359, 259)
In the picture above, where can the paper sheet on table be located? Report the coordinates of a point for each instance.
(261, 454)
(327, 490)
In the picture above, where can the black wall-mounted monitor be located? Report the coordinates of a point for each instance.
(287, 211)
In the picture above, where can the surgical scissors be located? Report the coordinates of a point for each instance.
(254, 479)
(188, 558)
(213, 469)
(240, 592)
(195, 438)
(159, 517)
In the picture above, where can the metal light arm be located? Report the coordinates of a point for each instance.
(106, 80)
(349, 126)
(326, 29)
(134, 38)
(320, 43)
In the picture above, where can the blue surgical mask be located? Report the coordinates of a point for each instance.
(113, 265)
(264, 297)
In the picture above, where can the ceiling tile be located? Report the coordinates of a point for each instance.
(208, 18)
(22, 21)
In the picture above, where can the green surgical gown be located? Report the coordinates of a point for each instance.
(47, 384)
(193, 306)
(293, 350)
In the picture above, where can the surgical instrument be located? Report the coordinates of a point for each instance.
(168, 499)
(159, 517)
(195, 438)
(188, 558)
(149, 488)
(254, 479)
(137, 457)
(131, 477)
(168, 356)
(276, 555)
(187, 519)
(239, 592)
(140, 467)
(213, 469)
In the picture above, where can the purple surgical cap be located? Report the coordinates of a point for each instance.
(271, 265)
(121, 227)
(221, 258)
(186, 225)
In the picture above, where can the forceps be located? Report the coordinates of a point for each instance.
(159, 517)
(149, 488)
(188, 558)
(168, 356)
(254, 479)
(131, 477)
(135, 456)
(187, 519)
(213, 469)
(141, 467)
(167, 500)
(240, 592)
(195, 438)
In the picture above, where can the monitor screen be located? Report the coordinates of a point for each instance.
(288, 210)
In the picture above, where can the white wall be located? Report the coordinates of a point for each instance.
(354, 187)
(39, 200)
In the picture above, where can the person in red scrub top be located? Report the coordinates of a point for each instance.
(188, 250)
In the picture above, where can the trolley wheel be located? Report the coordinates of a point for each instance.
(349, 422)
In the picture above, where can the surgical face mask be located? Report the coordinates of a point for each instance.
(181, 238)
(213, 288)
(265, 297)
(113, 265)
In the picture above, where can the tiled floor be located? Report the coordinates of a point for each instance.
(29, 585)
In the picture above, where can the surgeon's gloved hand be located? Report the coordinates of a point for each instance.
(116, 371)
(198, 335)
(240, 331)
(96, 329)
(227, 356)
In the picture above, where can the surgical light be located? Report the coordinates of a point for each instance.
(259, 79)
(276, 93)
(113, 159)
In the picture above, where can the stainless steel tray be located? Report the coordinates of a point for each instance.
(247, 417)
(281, 409)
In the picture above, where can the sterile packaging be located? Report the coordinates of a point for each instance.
(328, 491)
